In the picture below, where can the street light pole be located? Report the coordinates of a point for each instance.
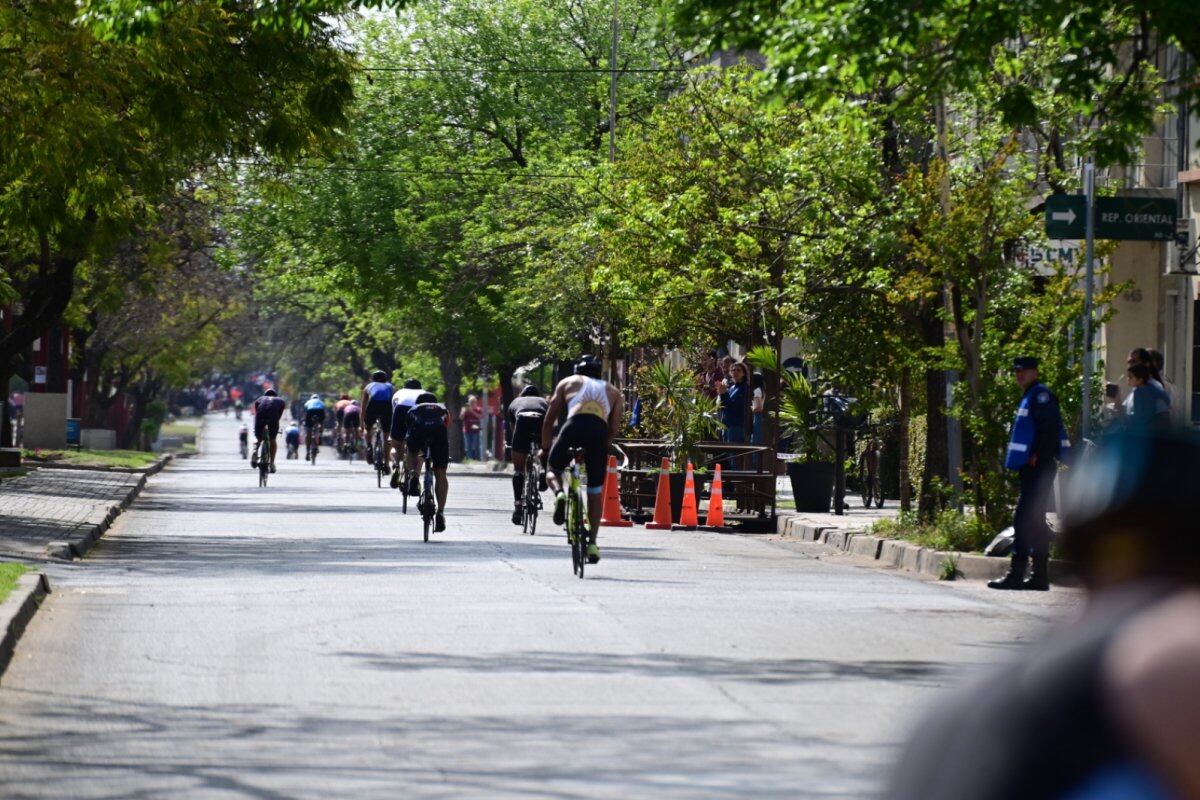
(1089, 189)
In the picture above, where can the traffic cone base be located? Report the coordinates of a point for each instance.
(611, 517)
(662, 501)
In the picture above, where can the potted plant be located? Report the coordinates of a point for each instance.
(812, 472)
(686, 416)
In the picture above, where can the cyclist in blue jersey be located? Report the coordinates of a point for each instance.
(314, 422)
(376, 403)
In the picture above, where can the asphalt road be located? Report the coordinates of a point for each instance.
(301, 641)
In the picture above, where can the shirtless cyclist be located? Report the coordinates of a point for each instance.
(594, 409)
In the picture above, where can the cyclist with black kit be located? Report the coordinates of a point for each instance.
(594, 408)
(426, 426)
(268, 411)
(525, 417)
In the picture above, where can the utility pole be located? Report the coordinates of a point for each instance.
(612, 87)
(1089, 355)
(953, 424)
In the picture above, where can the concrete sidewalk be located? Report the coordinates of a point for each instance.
(73, 506)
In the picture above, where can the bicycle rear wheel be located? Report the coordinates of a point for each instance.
(264, 464)
(865, 481)
(404, 491)
(878, 481)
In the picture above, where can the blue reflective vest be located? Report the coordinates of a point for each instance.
(1024, 429)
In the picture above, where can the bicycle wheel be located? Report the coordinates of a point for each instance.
(427, 522)
(864, 478)
(531, 501)
(877, 480)
(264, 464)
(404, 490)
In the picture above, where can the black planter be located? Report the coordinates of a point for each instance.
(812, 485)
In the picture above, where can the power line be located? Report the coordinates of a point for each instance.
(524, 173)
(532, 70)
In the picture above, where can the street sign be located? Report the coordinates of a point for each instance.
(1140, 219)
(1066, 216)
(1143, 219)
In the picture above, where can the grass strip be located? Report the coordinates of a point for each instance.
(9, 573)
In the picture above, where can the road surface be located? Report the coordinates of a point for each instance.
(301, 641)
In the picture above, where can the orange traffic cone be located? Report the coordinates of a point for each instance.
(688, 517)
(716, 509)
(662, 503)
(612, 499)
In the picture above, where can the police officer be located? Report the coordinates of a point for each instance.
(1038, 438)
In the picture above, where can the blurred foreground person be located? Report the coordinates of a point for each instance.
(1108, 707)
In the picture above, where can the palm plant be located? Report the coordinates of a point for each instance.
(797, 401)
(687, 413)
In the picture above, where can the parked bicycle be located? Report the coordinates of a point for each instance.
(869, 474)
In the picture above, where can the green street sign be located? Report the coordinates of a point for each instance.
(1141, 219)
(1066, 216)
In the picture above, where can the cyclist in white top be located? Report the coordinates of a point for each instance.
(402, 402)
(594, 409)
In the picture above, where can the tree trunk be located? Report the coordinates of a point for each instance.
(904, 432)
(6, 423)
(506, 397)
(451, 374)
(936, 474)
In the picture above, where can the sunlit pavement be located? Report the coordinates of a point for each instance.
(302, 641)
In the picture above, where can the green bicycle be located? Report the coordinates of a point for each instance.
(576, 522)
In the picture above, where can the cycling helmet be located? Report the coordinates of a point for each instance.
(426, 397)
(1129, 508)
(412, 383)
(531, 391)
(589, 365)
(270, 393)
(379, 375)
(315, 396)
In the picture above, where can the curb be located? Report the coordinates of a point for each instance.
(906, 556)
(153, 469)
(78, 544)
(17, 610)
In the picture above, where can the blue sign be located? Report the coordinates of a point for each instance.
(72, 431)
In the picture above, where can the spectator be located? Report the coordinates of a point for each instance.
(1109, 705)
(472, 419)
(1159, 362)
(757, 405)
(735, 396)
(726, 367)
(1147, 404)
(1113, 411)
(710, 374)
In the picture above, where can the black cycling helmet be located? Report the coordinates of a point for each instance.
(426, 397)
(1129, 508)
(531, 391)
(590, 366)
(379, 375)
(270, 393)
(412, 383)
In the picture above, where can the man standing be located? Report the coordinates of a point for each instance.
(1038, 437)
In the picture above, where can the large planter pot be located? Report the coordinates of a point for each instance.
(812, 484)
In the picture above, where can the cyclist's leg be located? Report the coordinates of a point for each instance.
(556, 464)
(439, 450)
(596, 460)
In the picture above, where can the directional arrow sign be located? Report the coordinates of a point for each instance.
(1065, 216)
(1144, 219)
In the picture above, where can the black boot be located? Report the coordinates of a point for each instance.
(1013, 578)
(1039, 576)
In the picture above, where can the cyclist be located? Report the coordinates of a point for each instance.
(243, 439)
(427, 425)
(267, 410)
(525, 417)
(351, 420)
(376, 402)
(593, 408)
(402, 402)
(291, 437)
(339, 411)
(314, 422)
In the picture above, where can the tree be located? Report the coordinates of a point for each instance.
(98, 129)
(928, 50)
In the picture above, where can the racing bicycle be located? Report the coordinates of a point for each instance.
(532, 498)
(379, 458)
(264, 462)
(427, 502)
(576, 522)
(312, 442)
